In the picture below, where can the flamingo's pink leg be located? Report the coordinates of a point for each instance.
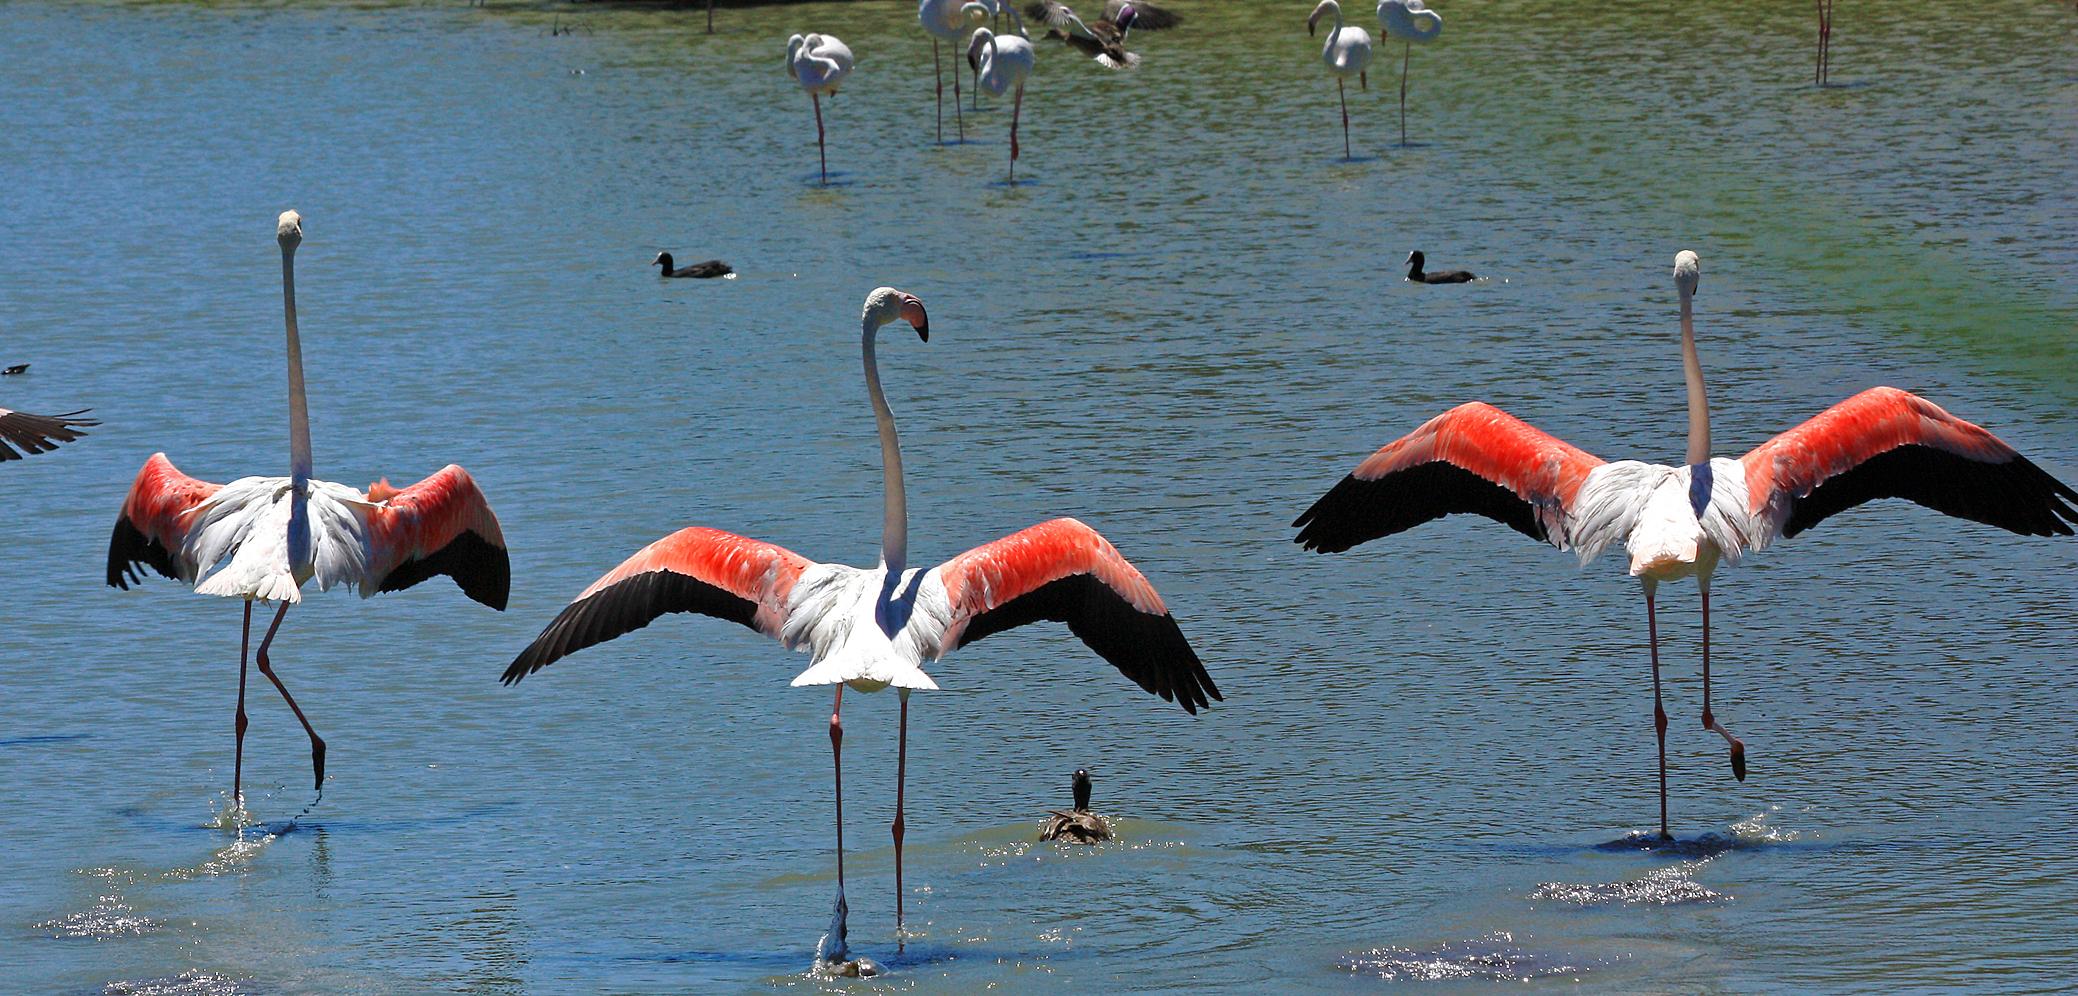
(1343, 92)
(1659, 712)
(1709, 721)
(317, 743)
(245, 636)
(1015, 110)
(938, 69)
(901, 777)
(822, 156)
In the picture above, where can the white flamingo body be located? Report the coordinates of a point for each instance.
(820, 64)
(872, 629)
(947, 21)
(1346, 53)
(1005, 62)
(1682, 521)
(1410, 22)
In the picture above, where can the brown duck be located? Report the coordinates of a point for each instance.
(1079, 826)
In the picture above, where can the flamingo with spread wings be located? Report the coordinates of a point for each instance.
(264, 538)
(1681, 521)
(872, 629)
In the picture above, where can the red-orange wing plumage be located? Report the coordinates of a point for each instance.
(1473, 458)
(441, 525)
(1888, 443)
(154, 523)
(701, 570)
(1064, 571)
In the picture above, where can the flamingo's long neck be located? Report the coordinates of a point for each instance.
(1698, 399)
(299, 409)
(894, 523)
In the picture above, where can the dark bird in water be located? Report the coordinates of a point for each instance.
(17, 368)
(1414, 273)
(1078, 826)
(711, 268)
(38, 433)
(1146, 16)
(1103, 39)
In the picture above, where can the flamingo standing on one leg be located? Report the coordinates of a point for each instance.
(264, 538)
(1347, 52)
(948, 21)
(1680, 521)
(820, 64)
(1409, 21)
(39, 433)
(1006, 62)
(871, 629)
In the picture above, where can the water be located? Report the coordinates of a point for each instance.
(1182, 325)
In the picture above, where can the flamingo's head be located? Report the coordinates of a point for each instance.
(1311, 20)
(886, 304)
(1687, 270)
(976, 44)
(288, 229)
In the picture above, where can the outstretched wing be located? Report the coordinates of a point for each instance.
(441, 525)
(153, 527)
(1064, 571)
(1473, 458)
(38, 433)
(1146, 16)
(1888, 443)
(692, 570)
(1055, 15)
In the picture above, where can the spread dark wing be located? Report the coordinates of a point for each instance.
(1064, 571)
(22, 433)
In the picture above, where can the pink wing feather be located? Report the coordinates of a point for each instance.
(696, 569)
(154, 523)
(441, 525)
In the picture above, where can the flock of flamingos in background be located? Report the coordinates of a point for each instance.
(265, 538)
(820, 63)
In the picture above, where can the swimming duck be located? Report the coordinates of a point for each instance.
(1414, 273)
(1079, 826)
(711, 268)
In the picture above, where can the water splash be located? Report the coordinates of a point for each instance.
(1747, 834)
(1492, 958)
(110, 916)
(1659, 887)
(189, 983)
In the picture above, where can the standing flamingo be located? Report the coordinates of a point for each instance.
(1006, 61)
(948, 21)
(264, 538)
(39, 433)
(1679, 521)
(819, 63)
(1347, 53)
(1409, 21)
(871, 629)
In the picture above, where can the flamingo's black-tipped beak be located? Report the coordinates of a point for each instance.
(913, 313)
(1739, 761)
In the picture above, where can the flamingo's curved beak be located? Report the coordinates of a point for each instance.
(913, 313)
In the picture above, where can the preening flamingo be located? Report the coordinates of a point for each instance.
(1409, 21)
(1006, 62)
(1346, 54)
(819, 63)
(39, 433)
(948, 21)
(875, 628)
(264, 538)
(1680, 521)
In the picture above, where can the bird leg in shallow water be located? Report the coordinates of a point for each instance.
(901, 776)
(938, 70)
(1659, 712)
(1343, 92)
(317, 743)
(1015, 110)
(833, 947)
(1405, 55)
(245, 636)
(1709, 721)
(822, 158)
(959, 116)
